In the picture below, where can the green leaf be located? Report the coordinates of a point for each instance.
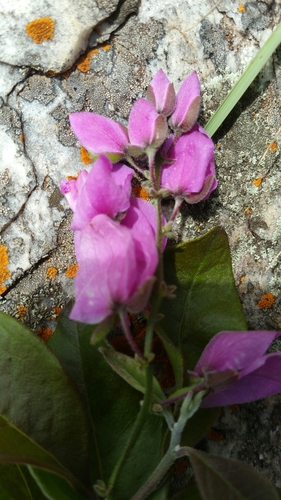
(13, 485)
(52, 486)
(174, 355)
(220, 478)
(206, 298)
(131, 371)
(244, 81)
(41, 406)
(113, 406)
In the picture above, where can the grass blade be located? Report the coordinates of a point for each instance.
(244, 81)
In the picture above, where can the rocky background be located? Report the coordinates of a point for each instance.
(61, 57)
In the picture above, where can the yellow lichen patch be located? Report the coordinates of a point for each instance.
(105, 46)
(44, 333)
(85, 157)
(84, 61)
(272, 146)
(4, 272)
(257, 182)
(40, 29)
(140, 192)
(71, 271)
(242, 279)
(248, 211)
(241, 8)
(219, 145)
(21, 311)
(52, 272)
(266, 301)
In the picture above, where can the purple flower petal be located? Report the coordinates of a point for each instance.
(193, 156)
(264, 381)
(187, 104)
(162, 94)
(100, 135)
(107, 275)
(101, 194)
(234, 350)
(146, 127)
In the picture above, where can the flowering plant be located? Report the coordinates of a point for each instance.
(149, 318)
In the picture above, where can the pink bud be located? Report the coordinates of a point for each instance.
(146, 127)
(187, 104)
(162, 94)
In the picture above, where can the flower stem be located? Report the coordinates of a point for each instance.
(178, 202)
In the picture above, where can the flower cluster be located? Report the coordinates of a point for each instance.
(116, 235)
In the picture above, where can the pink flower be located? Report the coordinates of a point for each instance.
(192, 173)
(100, 135)
(115, 270)
(187, 107)
(147, 129)
(162, 94)
(236, 369)
(106, 189)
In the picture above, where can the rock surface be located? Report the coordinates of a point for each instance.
(100, 57)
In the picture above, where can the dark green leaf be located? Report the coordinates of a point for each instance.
(113, 406)
(220, 478)
(174, 355)
(52, 486)
(131, 371)
(206, 298)
(13, 485)
(39, 399)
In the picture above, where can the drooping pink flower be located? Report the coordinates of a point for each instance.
(106, 189)
(137, 216)
(115, 270)
(187, 107)
(147, 129)
(162, 94)
(100, 135)
(190, 169)
(236, 369)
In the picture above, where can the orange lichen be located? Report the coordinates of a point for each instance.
(4, 272)
(257, 182)
(272, 146)
(266, 301)
(40, 29)
(84, 61)
(140, 192)
(56, 311)
(85, 157)
(22, 137)
(105, 46)
(214, 435)
(72, 177)
(248, 211)
(51, 272)
(242, 278)
(241, 8)
(21, 311)
(255, 115)
(71, 271)
(44, 333)
(218, 145)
